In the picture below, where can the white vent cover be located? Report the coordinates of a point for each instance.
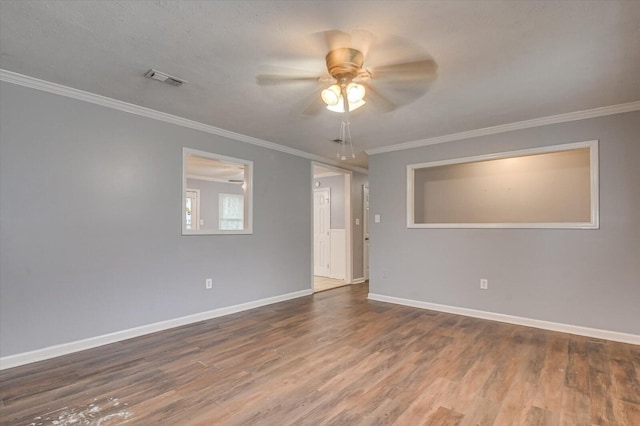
(165, 78)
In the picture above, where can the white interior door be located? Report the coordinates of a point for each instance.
(321, 232)
(365, 229)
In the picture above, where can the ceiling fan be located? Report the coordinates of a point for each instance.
(350, 81)
(389, 85)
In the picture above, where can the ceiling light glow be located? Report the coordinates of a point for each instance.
(339, 107)
(331, 95)
(355, 93)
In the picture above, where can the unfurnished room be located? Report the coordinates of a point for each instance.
(269, 212)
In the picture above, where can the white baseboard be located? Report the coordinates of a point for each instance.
(358, 280)
(528, 322)
(92, 342)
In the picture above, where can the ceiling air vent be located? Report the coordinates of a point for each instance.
(165, 78)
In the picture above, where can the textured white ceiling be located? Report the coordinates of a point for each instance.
(499, 61)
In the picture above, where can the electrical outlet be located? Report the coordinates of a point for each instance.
(484, 283)
(208, 283)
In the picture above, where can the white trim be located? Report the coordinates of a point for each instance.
(69, 92)
(46, 86)
(519, 125)
(211, 179)
(326, 174)
(92, 342)
(358, 280)
(593, 168)
(616, 336)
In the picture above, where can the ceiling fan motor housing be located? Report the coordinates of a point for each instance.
(344, 63)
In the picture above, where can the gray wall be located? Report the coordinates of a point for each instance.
(589, 278)
(91, 223)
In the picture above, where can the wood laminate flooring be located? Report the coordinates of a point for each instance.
(333, 358)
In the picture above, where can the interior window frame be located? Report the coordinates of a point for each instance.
(594, 222)
(248, 193)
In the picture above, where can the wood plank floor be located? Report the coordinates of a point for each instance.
(334, 358)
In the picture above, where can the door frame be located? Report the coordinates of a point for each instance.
(348, 219)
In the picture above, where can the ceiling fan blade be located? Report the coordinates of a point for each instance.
(275, 79)
(305, 102)
(336, 38)
(378, 100)
(314, 107)
(397, 94)
(423, 70)
(361, 40)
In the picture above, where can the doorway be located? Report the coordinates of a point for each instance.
(332, 233)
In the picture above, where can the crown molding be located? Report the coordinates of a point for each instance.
(69, 92)
(519, 125)
(326, 174)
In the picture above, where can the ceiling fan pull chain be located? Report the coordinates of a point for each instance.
(346, 126)
(353, 155)
(340, 153)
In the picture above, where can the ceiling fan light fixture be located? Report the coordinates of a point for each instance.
(331, 95)
(355, 92)
(339, 107)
